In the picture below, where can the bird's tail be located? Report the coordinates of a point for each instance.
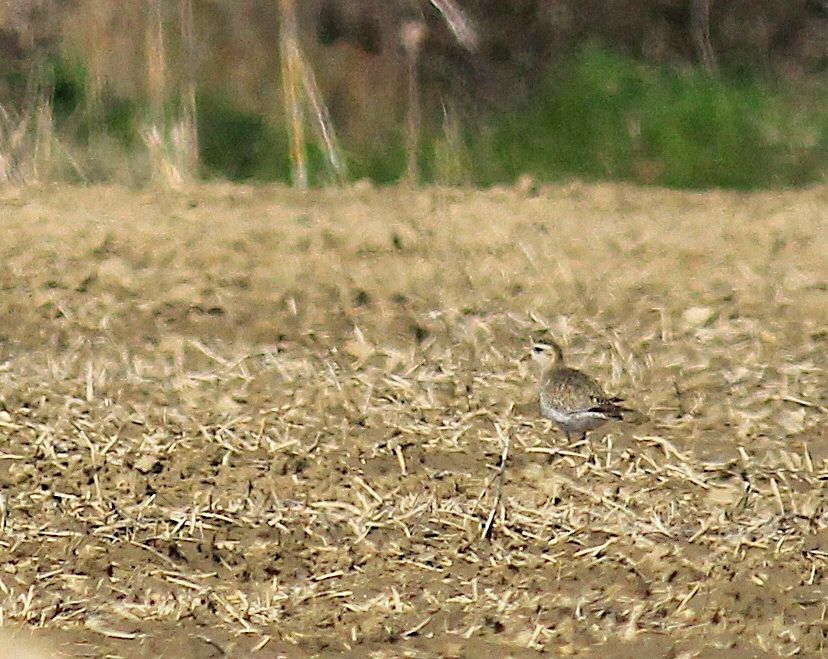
(611, 409)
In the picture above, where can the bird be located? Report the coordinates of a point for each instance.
(570, 398)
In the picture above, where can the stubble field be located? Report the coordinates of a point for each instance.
(242, 421)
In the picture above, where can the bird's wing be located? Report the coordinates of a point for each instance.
(610, 410)
(580, 393)
(571, 389)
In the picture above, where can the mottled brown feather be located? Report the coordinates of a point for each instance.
(572, 399)
(572, 390)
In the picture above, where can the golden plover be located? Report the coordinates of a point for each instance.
(570, 398)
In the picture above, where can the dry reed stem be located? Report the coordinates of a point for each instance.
(156, 64)
(323, 124)
(167, 145)
(412, 34)
(100, 12)
(189, 112)
(460, 24)
(700, 32)
(30, 150)
(451, 158)
(172, 145)
(165, 166)
(291, 85)
(501, 472)
(299, 86)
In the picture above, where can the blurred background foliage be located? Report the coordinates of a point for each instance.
(635, 90)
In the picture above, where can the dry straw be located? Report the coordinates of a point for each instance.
(189, 112)
(700, 32)
(291, 83)
(351, 459)
(460, 24)
(30, 150)
(413, 34)
(299, 88)
(172, 143)
(156, 63)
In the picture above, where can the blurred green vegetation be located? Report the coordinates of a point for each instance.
(603, 116)
(117, 117)
(240, 145)
(599, 116)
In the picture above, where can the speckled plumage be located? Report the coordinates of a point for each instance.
(570, 398)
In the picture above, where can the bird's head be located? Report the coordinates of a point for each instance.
(547, 353)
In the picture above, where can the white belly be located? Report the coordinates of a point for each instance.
(574, 422)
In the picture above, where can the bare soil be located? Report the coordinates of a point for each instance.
(250, 422)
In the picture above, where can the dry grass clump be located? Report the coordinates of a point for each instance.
(30, 150)
(244, 419)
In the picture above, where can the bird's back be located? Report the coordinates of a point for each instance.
(570, 390)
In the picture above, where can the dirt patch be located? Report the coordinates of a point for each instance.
(247, 421)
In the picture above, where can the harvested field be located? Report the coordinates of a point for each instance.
(250, 422)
